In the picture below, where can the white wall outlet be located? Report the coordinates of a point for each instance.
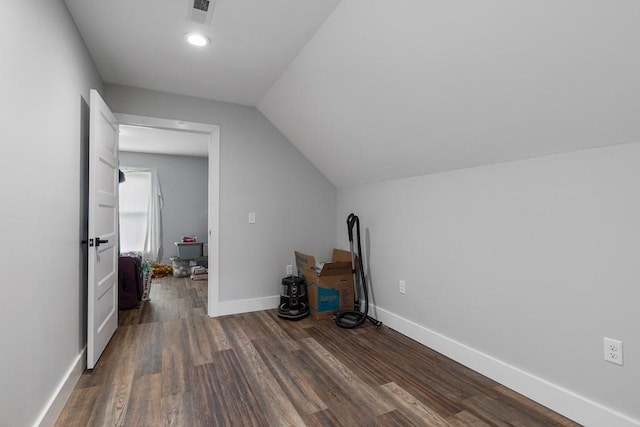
(252, 217)
(289, 270)
(402, 287)
(613, 351)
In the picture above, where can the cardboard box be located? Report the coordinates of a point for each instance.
(331, 288)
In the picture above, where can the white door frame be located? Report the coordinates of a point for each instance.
(213, 131)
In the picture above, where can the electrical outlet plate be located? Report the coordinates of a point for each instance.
(289, 270)
(402, 287)
(613, 351)
(252, 218)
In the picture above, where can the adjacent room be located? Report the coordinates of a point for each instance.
(337, 212)
(171, 169)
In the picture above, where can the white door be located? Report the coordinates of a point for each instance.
(103, 228)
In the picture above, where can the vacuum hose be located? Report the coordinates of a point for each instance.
(353, 319)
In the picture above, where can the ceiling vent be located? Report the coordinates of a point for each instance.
(200, 11)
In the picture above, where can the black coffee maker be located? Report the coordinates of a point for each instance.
(294, 301)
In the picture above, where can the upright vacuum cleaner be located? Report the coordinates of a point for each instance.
(353, 319)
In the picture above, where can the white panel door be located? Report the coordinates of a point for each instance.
(103, 229)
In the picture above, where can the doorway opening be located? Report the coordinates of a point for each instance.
(212, 134)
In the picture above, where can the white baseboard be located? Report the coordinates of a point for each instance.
(54, 406)
(559, 399)
(223, 308)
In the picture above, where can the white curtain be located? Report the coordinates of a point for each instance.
(153, 235)
(140, 212)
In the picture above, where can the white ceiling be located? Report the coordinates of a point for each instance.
(141, 43)
(391, 89)
(139, 139)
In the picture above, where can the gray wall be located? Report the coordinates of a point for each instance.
(261, 172)
(530, 262)
(184, 183)
(45, 73)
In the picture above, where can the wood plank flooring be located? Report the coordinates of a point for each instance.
(169, 364)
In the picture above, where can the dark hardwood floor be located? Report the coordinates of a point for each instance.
(170, 364)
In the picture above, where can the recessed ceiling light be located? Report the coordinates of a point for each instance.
(197, 39)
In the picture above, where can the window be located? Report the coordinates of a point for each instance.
(135, 193)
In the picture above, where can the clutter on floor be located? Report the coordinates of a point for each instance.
(199, 272)
(180, 266)
(160, 270)
(190, 256)
(147, 272)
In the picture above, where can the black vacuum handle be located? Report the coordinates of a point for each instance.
(351, 221)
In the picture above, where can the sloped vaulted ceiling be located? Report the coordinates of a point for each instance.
(390, 89)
